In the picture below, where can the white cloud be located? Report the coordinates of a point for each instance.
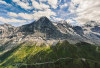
(88, 10)
(42, 0)
(22, 15)
(40, 6)
(36, 14)
(3, 2)
(6, 20)
(69, 20)
(46, 13)
(53, 3)
(72, 8)
(64, 5)
(22, 4)
(57, 19)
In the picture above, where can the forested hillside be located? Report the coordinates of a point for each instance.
(61, 55)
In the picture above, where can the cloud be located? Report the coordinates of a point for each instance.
(3, 2)
(72, 8)
(87, 10)
(40, 6)
(69, 20)
(35, 4)
(22, 4)
(57, 19)
(36, 14)
(53, 3)
(46, 13)
(42, 0)
(22, 15)
(6, 20)
(64, 5)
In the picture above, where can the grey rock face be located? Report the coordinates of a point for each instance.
(96, 29)
(44, 26)
(78, 30)
(6, 30)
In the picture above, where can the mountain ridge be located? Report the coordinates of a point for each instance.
(44, 30)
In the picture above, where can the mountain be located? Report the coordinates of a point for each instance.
(91, 31)
(47, 44)
(43, 28)
(6, 30)
(45, 31)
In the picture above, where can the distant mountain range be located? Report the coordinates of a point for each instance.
(46, 30)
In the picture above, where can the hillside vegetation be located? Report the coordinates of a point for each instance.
(61, 55)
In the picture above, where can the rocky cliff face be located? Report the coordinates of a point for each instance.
(43, 28)
(6, 30)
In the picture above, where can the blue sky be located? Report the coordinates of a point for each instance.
(19, 12)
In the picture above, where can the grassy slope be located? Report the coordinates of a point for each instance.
(62, 55)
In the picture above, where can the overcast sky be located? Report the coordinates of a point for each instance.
(19, 12)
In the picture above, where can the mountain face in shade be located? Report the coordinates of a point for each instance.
(78, 30)
(43, 26)
(39, 25)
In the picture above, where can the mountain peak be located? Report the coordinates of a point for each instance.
(92, 23)
(62, 21)
(6, 25)
(44, 18)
